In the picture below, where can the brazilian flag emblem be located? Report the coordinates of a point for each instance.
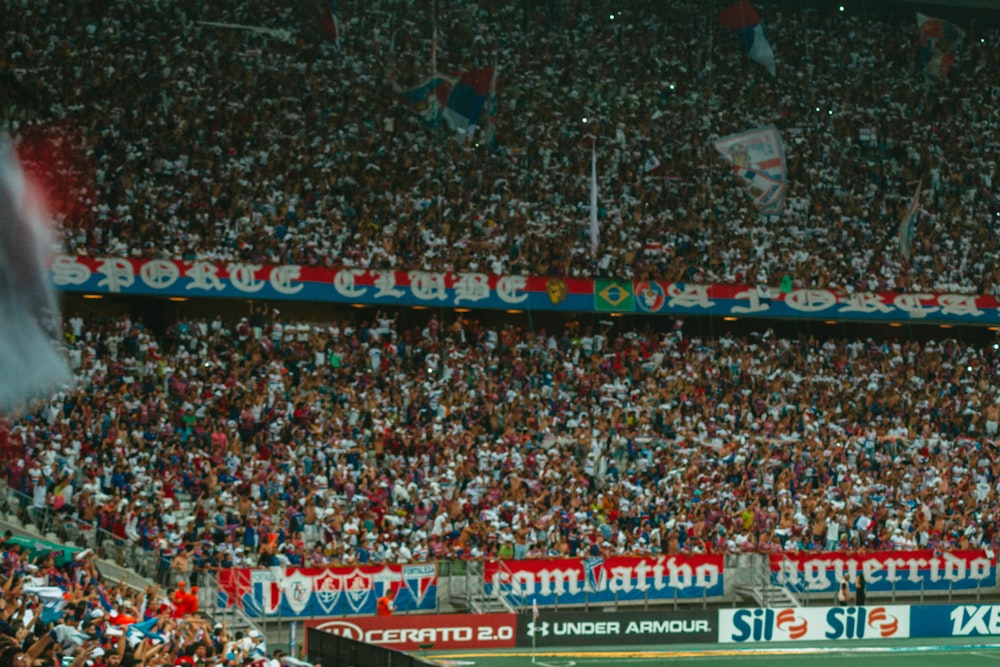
(612, 295)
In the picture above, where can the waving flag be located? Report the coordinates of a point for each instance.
(758, 159)
(908, 224)
(429, 98)
(742, 18)
(331, 22)
(30, 362)
(467, 99)
(938, 42)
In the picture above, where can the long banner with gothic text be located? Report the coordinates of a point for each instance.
(920, 570)
(386, 287)
(555, 581)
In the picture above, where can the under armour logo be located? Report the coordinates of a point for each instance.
(539, 629)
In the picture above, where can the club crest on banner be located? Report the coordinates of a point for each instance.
(358, 587)
(650, 297)
(387, 582)
(297, 588)
(328, 587)
(266, 592)
(418, 580)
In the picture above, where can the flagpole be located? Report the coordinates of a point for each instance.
(594, 232)
(708, 98)
(534, 614)
(434, 37)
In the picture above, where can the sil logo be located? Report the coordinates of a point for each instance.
(787, 621)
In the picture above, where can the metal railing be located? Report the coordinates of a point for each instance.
(72, 531)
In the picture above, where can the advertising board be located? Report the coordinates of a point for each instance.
(412, 631)
(598, 629)
(811, 623)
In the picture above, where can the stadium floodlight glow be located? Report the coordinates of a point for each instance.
(730, 319)
(178, 298)
(842, 8)
(463, 310)
(93, 296)
(515, 312)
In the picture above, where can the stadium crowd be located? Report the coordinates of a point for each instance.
(179, 139)
(60, 611)
(263, 442)
(230, 443)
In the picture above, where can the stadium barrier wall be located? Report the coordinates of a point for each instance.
(550, 629)
(331, 650)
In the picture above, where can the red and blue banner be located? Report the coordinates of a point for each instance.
(327, 591)
(939, 40)
(468, 97)
(922, 570)
(387, 287)
(551, 581)
(429, 98)
(744, 20)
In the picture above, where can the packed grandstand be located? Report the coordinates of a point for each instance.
(186, 131)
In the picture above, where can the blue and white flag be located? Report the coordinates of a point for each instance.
(939, 41)
(758, 160)
(467, 99)
(593, 570)
(743, 19)
(429, 98)
(908, 224)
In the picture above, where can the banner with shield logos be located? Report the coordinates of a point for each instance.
(327, 591)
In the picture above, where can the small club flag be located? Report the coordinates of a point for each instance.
(534, 609)
(908, 224)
